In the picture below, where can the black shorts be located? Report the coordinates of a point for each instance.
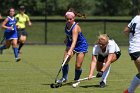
(134, 55)
(102, 58)
(22, 32)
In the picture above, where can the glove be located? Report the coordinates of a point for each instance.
(99, 74)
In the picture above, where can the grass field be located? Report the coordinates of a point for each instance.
(39, 67)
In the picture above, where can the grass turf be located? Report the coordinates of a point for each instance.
(39, 67)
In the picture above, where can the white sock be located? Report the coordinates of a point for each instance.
(134, 84)
(105, 74)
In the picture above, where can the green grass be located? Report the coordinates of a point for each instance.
(39, 67)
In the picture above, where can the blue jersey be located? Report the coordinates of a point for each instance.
(11, 34)
(81, 44)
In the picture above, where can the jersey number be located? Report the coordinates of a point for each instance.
(133, 28)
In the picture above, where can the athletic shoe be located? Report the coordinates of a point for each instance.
(1, 51)
(61, 80)
(102, 84)
(74, 85)
(126, 91)
(18, 59)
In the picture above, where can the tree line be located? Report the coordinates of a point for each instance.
(59, 7)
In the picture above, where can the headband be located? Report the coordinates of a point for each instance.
(70, 13)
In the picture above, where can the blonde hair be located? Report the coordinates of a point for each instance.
(103, 36)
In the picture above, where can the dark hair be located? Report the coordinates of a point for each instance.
(77, 13)
(10, 9)
(22, 7)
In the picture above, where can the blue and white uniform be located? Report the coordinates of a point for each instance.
(80, 47)
(11, 34)
(81, 44)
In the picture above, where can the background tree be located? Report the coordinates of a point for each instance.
(81, 6)
(33, 7)
(59, 7)
(112, 7)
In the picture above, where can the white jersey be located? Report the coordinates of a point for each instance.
(134, 35)
(111, 47)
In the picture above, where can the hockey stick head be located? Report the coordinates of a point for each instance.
(55, 85)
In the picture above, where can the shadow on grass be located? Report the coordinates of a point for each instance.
(70, 83)
(92, 86)
(88, 86)
(63, 84)
(59, 85)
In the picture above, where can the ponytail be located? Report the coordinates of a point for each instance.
(81, 15)
(76, 13)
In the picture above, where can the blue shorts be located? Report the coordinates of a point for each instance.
(10, 35)
(79, 48)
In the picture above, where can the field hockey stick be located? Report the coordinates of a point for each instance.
(65, 60)
(85, 78)
(76, 83)
(57, 85)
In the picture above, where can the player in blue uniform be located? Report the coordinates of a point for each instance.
(75, 44)
(10, 33)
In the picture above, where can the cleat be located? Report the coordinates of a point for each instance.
(60, 81)
(18, 59)
(126, 91)
(102, 84)
(75, 84)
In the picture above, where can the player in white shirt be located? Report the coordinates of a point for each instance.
(133, 30)
(104, 53)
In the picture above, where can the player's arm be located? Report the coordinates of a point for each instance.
(92, 66)
(108, 62)
(4, 24)
(110, 57)
(126, 30)
(29, 21)
(74, 39)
